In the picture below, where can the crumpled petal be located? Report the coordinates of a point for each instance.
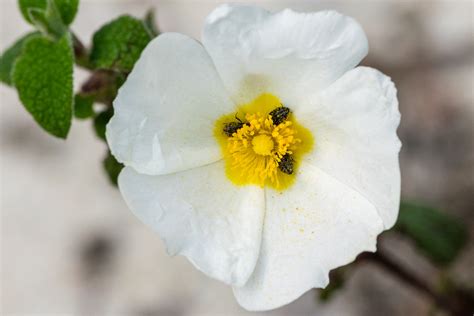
(166, 110)
(354, 123)
(316, 225)
(200, 214)
(288, 54)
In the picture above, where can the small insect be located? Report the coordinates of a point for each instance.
(280, 114)
(233, 127)
(286, 164)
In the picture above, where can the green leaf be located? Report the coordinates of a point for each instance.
(43, 77)
(438, 235)
(67, 8)
(9, 57)
(118, 44)
(112, 168)
(100, 122)
(83, 106)
(48, 20)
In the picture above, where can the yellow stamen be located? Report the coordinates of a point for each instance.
(263, 145)
(253, 153)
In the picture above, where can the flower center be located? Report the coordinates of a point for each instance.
(264, 147)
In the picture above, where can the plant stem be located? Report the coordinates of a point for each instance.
(81, 53)
(457, 303)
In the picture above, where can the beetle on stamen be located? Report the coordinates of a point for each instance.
(232, 127)
(280, 114)
(286, 164)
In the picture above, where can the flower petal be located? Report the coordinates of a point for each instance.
(316, 225)
(165, 112)
(288, 54)
(201, 215)
(354, 124)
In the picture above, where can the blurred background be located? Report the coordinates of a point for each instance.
(69, 245)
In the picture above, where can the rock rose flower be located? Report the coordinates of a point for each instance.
(263, 155)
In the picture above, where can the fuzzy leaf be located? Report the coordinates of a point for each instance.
(100, 122)
(438, 235)
(9, 57)
(112, 167)
(43, 77)
(48, 21)
(83, 106)
(67, 8)
(118, 44)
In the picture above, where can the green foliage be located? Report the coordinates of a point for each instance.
(83, 106)
(112, 168)
(43, 77)
(100, 122)
(118, 44)
(48, 21)
(67, 8)
(438, 235)
(9, 57)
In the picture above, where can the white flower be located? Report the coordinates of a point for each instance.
(186, 124)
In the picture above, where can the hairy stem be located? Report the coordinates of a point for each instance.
(81, 53)
(103, 86)
(457, 302)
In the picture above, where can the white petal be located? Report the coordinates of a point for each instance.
(354, 124)
(165, 111)
(316, 225)
(200, 214)
(288, 54)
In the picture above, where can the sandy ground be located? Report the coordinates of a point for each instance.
(71, 247)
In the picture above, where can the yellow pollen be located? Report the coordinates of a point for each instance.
(253, 153)
(262, 145)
